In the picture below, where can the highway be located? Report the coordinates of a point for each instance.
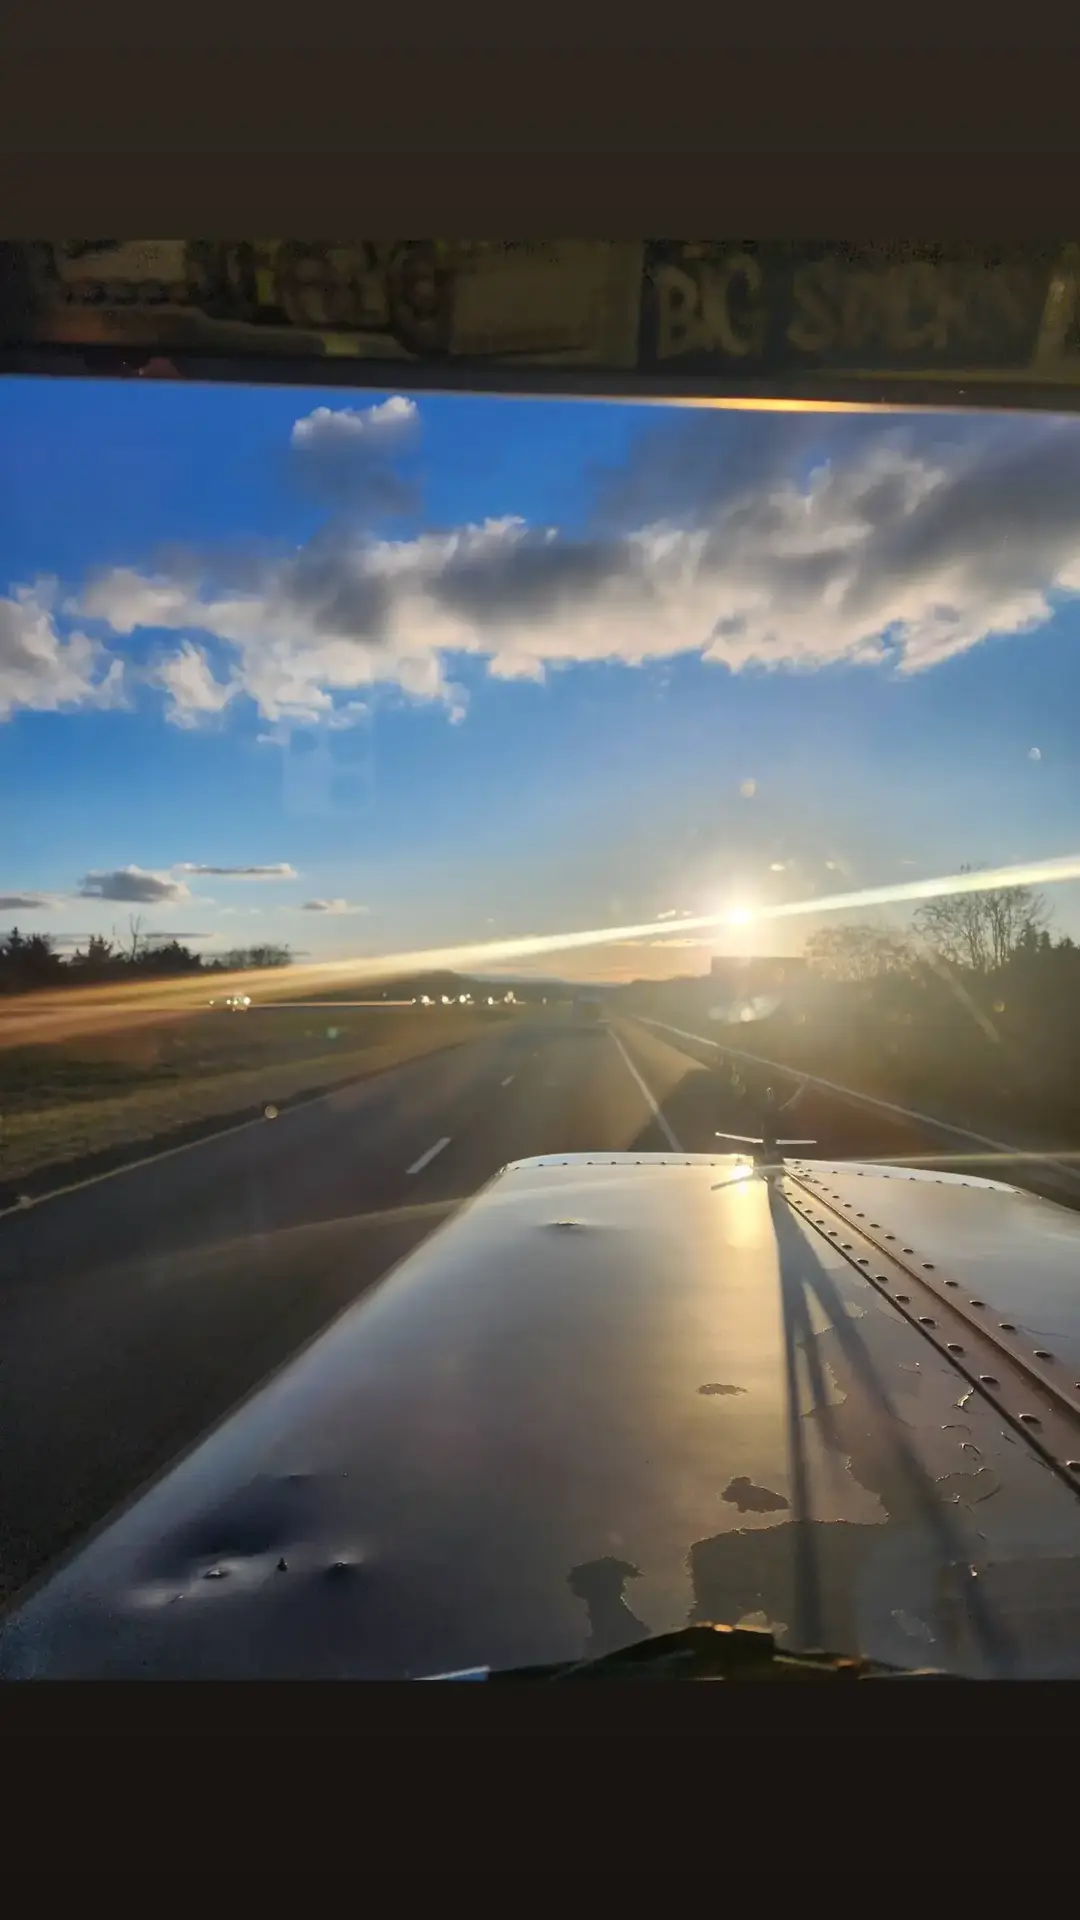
(137, 1309)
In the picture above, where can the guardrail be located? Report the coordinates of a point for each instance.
(1054, 1171)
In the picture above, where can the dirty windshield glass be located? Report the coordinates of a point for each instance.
(557, 924)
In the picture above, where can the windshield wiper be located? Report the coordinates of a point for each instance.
(712, 1652)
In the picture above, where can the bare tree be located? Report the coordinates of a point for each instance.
(858, 953)
(980, 931)
(1012, 913)
(132, 947)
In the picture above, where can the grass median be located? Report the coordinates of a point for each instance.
(68, 1103)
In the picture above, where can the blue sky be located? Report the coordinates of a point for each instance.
(455, 668)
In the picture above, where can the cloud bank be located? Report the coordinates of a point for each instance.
(25, 902)
(778, 542)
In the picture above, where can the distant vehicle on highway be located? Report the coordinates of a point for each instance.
(234, 1002)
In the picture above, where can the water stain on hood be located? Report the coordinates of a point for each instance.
(743, 1494)
(601, 1583)
(756, 1572)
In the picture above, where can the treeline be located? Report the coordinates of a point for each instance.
(972, 1012)
(29, 962)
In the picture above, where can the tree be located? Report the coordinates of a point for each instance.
(97, 961)
(269, 956)
(244, 959)
(30, 962)
(11, 951)
(169, 957)
(858, 953)
(981, 931)
(135, 943)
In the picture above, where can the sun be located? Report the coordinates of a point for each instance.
(740, 917)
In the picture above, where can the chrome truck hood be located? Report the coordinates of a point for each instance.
(615, 1395)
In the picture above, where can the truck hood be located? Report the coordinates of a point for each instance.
(616, 1395)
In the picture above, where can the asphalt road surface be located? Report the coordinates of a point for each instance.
(137, 1309)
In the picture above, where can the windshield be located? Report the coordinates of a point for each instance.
(399, 786)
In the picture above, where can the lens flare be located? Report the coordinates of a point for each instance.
(40, 1016)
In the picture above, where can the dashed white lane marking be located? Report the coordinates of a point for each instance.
(202, 1140)
(166, 1153)
(508, 1079)
(656, 1113)
(425, 1158)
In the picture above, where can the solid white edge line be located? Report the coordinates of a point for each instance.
(861, 1099)
(149, 1159)
(419, 1165)
(207, 1139)
(656, 1113)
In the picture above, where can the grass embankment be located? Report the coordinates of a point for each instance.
(981, 1075)
(67, 1101)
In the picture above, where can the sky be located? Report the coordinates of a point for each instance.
(365, 673)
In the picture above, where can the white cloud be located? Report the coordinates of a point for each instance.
(1034, 753)
(335, 426)
(357, 459)
(135, 884)
(332, 906)
(901, 549)
(126, 600)
(193, 693)
(283, 871)
(41, 670)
